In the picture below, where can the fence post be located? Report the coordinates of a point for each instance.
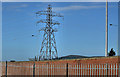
(34, 70)
(118, 70)
(6, 70)
(107, 70)
(67, 70)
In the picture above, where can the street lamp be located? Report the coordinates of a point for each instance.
(106, 33)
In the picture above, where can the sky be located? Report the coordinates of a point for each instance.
(59, 0)
(82, 32)
(119, 29)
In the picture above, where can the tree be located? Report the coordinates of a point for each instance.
(112, 52)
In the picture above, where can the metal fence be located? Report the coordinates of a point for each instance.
(66, 70)
(94, 70)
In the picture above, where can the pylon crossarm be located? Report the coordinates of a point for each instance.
(42, 21)
(40, 12)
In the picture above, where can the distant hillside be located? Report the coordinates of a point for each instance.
(72, 57)
(68, 57)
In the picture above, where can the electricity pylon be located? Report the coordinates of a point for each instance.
(48, 49)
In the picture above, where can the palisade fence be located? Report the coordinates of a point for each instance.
(65, 70)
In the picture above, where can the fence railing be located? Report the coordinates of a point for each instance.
(66, 70)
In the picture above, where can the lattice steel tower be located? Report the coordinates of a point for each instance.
(48, 49)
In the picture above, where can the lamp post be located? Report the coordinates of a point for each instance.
(106, 32)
